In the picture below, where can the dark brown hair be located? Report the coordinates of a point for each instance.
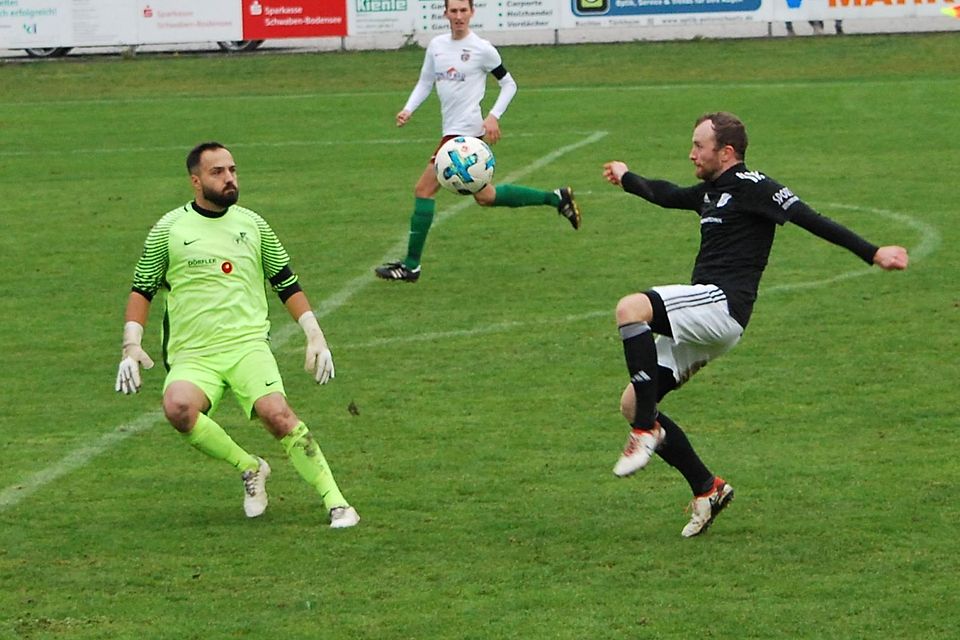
(728, 130)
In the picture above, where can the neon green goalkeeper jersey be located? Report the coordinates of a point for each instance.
(213, 267)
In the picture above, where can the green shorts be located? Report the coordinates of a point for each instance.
(249, 370)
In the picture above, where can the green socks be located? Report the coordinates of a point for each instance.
(210, 438)
(508, 195)
(423, 209)
(511, 195)
(308, 460)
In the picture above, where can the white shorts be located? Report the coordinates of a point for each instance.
(702, 328)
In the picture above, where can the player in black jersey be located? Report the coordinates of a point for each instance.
(739, 212)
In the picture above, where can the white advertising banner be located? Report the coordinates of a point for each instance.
(160, 21)
(33, 23)
(387, 23)
(492, 15)
(527, 14)
(381, 16)
(58, 23)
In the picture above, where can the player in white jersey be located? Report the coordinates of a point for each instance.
(458, 64)
(212, 257)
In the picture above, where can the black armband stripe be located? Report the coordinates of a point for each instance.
(278, 278)
(500, 72)
(289, 291)
(145, 294)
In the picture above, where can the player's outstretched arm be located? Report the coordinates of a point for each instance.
(319, 360)
(613, 172)
(891, 258)
(133, 356)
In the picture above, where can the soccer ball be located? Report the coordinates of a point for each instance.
(464, 165)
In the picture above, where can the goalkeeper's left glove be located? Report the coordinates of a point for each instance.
(128, 375)
(319, 360)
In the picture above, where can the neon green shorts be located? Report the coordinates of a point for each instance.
(249, 370)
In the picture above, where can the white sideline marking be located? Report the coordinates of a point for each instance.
(658, 88)
(18, 491)
(243, 145)
(76, 459)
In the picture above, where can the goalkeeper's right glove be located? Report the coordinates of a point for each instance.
(134, 357)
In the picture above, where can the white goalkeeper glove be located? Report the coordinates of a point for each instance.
(134, 357)
(319, 360)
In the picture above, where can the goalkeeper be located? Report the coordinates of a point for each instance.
(212, 256)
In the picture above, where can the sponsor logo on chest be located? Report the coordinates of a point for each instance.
(712, 208)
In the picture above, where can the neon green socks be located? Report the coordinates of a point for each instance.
(423, 209)
(305, 454)
(511, 195)
(308, 460)
(210, 438)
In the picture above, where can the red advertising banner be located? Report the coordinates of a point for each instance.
(265, 19)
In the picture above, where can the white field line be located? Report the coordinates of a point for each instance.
(17, 492)
(929, 241)
(76, 459)
(402, 93)
(245, 145)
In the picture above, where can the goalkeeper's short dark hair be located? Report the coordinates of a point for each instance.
(193, 158)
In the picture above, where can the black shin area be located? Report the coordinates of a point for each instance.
(666, 382)
(677, 451)
(640, 352)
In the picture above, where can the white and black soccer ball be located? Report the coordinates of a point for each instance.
(464, 165)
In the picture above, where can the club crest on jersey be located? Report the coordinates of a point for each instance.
(464, 56)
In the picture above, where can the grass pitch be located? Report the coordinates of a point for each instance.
(473, 420)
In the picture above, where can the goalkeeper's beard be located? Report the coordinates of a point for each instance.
(222, 199)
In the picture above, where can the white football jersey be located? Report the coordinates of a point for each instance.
(459, 69)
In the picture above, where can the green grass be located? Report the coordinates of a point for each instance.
(487, 393)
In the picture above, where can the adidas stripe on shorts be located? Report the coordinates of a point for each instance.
(701, 324)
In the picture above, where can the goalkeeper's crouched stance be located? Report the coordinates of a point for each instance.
(212, 257)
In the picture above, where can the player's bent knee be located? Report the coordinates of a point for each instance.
(486, 196)
(181, 415)
(276, 414)
(635, 307)
(182, 403)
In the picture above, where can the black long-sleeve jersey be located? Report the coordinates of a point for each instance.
(739, 214)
